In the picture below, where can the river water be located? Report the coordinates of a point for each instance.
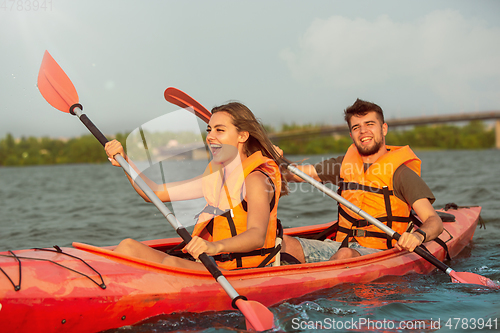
(95, 204)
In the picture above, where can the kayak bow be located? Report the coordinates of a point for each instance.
(53, 298)
(56, 87)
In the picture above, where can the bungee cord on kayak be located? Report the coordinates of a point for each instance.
(132, 289)
(56, 87)
(58, 250)
(18, 285)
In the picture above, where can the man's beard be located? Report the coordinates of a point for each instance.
(367, 151)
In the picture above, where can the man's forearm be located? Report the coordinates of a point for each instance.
(433, 227)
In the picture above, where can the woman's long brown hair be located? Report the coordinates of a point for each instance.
(244, 121)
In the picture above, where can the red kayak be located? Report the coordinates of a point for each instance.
(89, 289)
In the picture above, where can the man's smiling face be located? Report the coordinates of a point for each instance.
(368, 133)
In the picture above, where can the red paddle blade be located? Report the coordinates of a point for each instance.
(471, 278)
(55, 86)
(258, 317)
(180, 98)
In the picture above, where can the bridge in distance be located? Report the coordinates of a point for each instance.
(400, 122)
(198, 151)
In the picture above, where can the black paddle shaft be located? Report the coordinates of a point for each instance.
(426, 255)
(418, 250)
(209, 262)
(89, 124)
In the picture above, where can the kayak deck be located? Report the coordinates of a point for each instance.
(106, 290)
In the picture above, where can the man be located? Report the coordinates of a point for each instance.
(383, 181)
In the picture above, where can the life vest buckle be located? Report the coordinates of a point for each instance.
(358, 233)
(223, 257)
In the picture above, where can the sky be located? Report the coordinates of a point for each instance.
(289, 61)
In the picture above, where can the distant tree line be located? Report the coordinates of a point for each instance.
(43, 151)
(86, 149)
(474, 135)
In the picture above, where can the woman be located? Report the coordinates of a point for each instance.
(242, 185)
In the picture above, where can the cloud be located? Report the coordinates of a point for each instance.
(443, 51)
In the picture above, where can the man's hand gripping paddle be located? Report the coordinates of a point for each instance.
(181, 99)
(56, 87)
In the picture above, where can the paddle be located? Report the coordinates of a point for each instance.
(185, 100)
(56, 87)
(456, 277)
(179, 98)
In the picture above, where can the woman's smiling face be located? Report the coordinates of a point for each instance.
(223, 138)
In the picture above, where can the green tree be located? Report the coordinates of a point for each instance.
(86, 149)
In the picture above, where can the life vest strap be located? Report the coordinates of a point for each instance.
(238, 255)
(388, 211)
(228, 214)
(343, 186)
(211, 210)
(361, 233)
(361, 223)
(270, 252)
(330, 230)
(277, 248)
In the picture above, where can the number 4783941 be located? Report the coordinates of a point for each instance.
(25, 5)
(472, 323)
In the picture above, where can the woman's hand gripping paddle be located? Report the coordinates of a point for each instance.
(184, 100)
(58, 90)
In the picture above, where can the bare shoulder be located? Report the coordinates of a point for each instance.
(257, 185)
(257, 180)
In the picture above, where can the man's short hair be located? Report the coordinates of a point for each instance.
(361, 108)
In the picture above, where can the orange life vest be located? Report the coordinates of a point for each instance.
(225, 214)
(373, 192)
